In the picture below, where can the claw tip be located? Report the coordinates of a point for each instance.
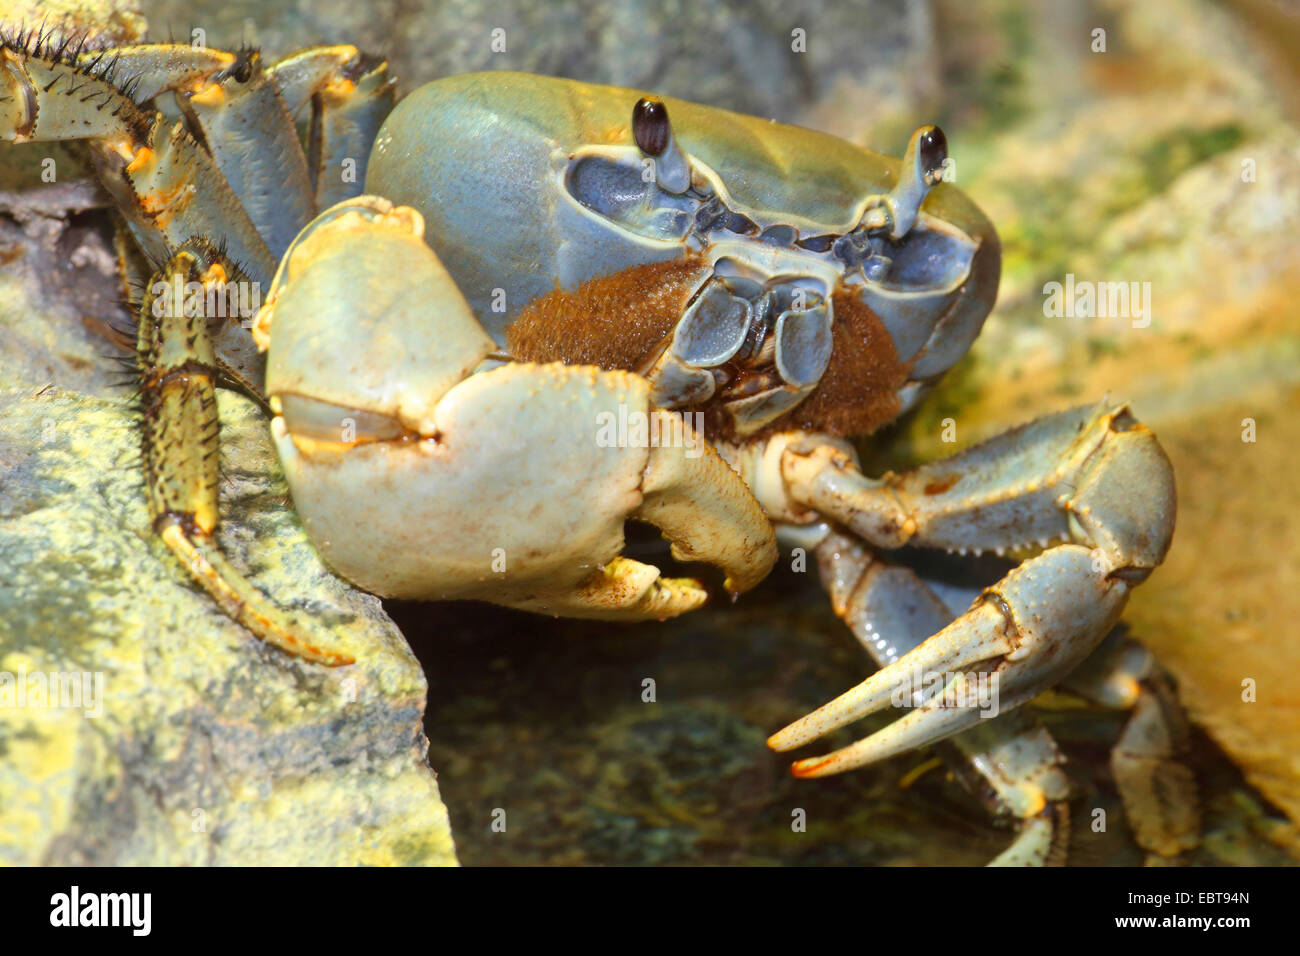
(812, 767)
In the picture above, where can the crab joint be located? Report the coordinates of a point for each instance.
(142, 158)
(209, 94)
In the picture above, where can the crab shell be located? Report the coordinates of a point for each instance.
(489, 160)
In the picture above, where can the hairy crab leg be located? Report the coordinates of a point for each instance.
(1095, 477)
(181, 451)
(1009, 760)
(145, 71)
(244, 113)
(164, 183)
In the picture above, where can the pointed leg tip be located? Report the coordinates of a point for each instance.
(813, 767)
(778, 742)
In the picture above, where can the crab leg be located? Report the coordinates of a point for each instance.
(165, 184)
(251, 136)
(181, 449)
(1009, 758)
(350, 96)
(244, 113)
(1158, 790)
(147, 70)
(1095, 477)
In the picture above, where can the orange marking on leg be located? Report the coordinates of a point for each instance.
(142, 158)
(216, 275)
(162, 206)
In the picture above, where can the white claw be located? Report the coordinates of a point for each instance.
(977, 636)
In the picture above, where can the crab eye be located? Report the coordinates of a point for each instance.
(932, 149)
(650, 126)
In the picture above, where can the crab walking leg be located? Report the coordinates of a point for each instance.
(164, 183)
(170, 191)
(350, 96)
(251, 135)
(1009, 759)
(181, 451)
(152, 69)
(1095, 477)
(1157, 788)
(245, 114)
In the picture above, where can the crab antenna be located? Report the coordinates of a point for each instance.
(921, 170)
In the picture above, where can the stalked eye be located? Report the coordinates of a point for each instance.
(322, 421)
(932, 149)
(650, 126)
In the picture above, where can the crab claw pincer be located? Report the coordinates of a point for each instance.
(1095, 478)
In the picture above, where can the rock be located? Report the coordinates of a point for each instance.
(195, 744)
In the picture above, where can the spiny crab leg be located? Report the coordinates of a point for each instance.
(1093, 476)
(181, 450)
(250, 134)
(166, 185)
(249, 187)
(245, 111)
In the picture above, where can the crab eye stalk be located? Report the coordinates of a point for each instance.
(653, 134)
(922, 169)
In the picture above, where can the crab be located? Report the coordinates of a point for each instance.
(549, 308)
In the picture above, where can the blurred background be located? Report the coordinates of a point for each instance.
(1116, 140)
